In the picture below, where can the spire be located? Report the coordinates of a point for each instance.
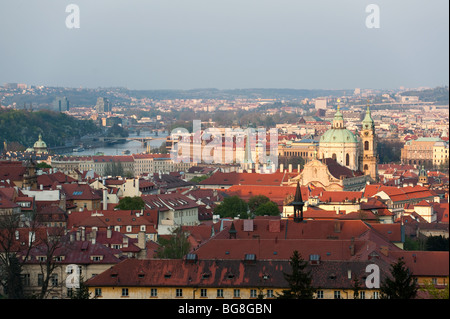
(368, 121)
(298, 204)
(232, 231)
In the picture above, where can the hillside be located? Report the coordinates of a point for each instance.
(56, 128)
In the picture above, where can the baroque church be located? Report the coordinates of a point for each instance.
(343, 160)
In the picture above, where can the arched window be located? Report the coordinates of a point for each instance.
(333, 156)
(366, 145)
(366, 167)
(347, 160)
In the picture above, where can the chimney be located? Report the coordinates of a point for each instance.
(94, 236)
(83, 234)
(78, 235)
(105, 199)
(281, 168)
(352, 247)
(125, 242)
(141, 240)
(108, 232)
(290, 168)
(41, 187)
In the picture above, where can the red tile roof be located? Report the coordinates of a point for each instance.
(253, 179)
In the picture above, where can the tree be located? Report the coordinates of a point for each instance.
(11, 261)
(437, 243)
(131, 203)
(232, 206)
(176, 247)
(198, 179)
(42, 165)
(82, 292)
(255, 201)
(269, 209)
(299, 280)
(356, 287)
(402, 285)
(435, 292)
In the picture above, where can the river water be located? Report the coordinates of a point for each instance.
(135, 147)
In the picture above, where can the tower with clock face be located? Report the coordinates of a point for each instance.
(369, 147)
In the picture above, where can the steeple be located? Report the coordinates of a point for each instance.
(367, 123)
(298, 204)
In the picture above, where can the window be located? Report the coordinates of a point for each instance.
(124, 292)
(337, 294)
(320, 294)
(179, 292)
(219, 293)
(128, 229)
(253, 293)
(203, 292)
(269, 293)
(362, 295)
(366, 145)
(347, 159)
(40, 280)
(375, 295)
(98, 292)
(26, 279)
(154, 292)
(237, 293)
(54, 280)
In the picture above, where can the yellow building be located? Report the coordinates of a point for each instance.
(225, 279)
(440, 154)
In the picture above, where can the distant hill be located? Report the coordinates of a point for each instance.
(56, 128)
(439, 95)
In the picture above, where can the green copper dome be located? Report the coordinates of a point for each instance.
(336, 135)
(40, 143)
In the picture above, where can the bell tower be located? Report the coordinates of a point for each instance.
(369, 147)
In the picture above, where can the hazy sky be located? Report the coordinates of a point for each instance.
(225, 44)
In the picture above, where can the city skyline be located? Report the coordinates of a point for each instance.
(198, 44)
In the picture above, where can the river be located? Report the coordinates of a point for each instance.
(135, 147)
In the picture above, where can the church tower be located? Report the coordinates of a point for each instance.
(369, 147)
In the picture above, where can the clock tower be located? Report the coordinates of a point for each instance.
(369, 147)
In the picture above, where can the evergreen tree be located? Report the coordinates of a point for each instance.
(402, 285)
(299, 280)
(356, 288)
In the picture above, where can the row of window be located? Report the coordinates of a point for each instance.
(254, 293)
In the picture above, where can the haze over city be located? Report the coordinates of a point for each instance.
(225, 44)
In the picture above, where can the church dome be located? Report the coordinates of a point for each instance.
(338, 135)
(40, 145)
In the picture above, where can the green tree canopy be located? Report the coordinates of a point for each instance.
(255, 201)
(269, 209)
(174, 247)
(232, 206)
(131, 203)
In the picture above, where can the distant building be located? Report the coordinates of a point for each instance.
(61, 104)
(103, 105)
(321, 103)
(422, 151)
